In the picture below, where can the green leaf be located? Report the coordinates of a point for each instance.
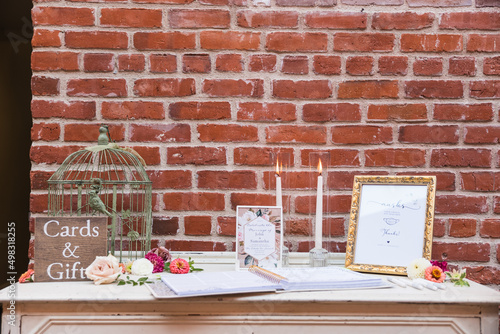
(142, 279)
(121, 283)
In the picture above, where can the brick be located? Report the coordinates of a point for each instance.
(461, 158)
(170, 179)
(480, 181)
(487, 3)
(491, 66)
(490, 228)
(296, 42)
(89, 132)
(483, 43)
(54, 61)
(486, 89)
(295, 65)
(150, 154)
(46, 37)
(331, 204)
(445, 180)
(227, 133)
(302, 89)
(482, 135)
(306, 3)
(229, 40)
(226, 226)
(131, 63)
(198, 155)
(359, 65)
(38, 179)
(164, 133)
(340, 180)
(363, 42)
(361, 134)
(428, 66)
(331, 112)
(470, 21)
(429, 134)
(253, 156)
(338, 157)
(50, 154)
(251, 199)
(431, 43)
(463, 112)
(197, 225)
(335, 20)
(291, 180)
(267, 19)
(196, 63)
(173, 40)
(98, 62)
(131, 17)
(459, 204)
(229, 63)
(439, 3)
(393, 65)
(182, 201)
(132, 110)
(97, 87)
(462, 228)
(44, 86)
(483, 274)
(402, 21)
(498, 253)
(496, 204)
(200, 110)
(461, 251)
(96, 40)
(296, 134)
(328, 65)
(194, 245)
(462, 66)
(163, 63)
(164, 87)
(397, 112)
(165, 225)
(262, 63)
(432, 89)
(62, 16)
(170, 2)
(298, 227)
(239, 179)
(214, 2)
(266, 112)
(196, 18)
(45, 132)
(439, 228)
(232, 87)
(38, 204)
(63, 109)
(407, 157)
(369, 89)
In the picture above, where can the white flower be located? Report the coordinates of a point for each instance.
(104, 269)
(416, 268)
(142, 267)
(248, 217)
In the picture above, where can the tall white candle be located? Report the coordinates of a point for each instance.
(318, 236)
(279, 200)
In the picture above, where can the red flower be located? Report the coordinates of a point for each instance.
(157, 261)
(179, 266)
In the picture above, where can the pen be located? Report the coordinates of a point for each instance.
(397, 282)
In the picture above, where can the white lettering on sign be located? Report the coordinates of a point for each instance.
(67, 231)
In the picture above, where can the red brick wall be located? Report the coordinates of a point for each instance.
(206, 89)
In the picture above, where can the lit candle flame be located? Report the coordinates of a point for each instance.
(320, 167)
(277, 168)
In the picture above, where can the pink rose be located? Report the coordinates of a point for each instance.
(163, 253)
(104, 269)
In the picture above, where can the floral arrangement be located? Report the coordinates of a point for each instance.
(435, 271)
(28, 276)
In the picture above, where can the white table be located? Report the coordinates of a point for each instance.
(81, 307)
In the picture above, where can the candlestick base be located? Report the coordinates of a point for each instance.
(285, 256)
(318, 257)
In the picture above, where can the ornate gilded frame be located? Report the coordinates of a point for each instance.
(388, 268)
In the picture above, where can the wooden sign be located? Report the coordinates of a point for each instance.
(66, 246)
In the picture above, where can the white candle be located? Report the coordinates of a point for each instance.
(278, 186)
(318, 236)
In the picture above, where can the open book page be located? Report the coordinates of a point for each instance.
(223, 282)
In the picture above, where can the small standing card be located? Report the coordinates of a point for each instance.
(259, 237)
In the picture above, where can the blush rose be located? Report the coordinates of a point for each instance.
(104, 269)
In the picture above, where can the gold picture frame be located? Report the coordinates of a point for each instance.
(390, 223)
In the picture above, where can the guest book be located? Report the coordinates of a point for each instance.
(258, 279)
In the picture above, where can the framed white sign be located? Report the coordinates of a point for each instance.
(390, 223)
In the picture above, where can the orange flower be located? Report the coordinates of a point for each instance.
(179, 266)
(434, 274)
(124, 268)
(27, 276)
